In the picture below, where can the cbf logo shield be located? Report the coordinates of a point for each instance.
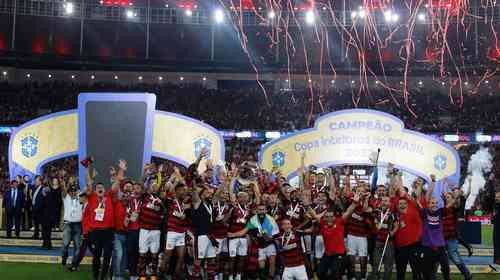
(29, 146)
(200, 144)
(440, 162)
(278, 159)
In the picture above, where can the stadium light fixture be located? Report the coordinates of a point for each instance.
(160, 78)
(451, 138)
(204, 78)
(219, 16)
(72, 76)
(181, 78)
(486, 82)
(271, 15)
(310, 17)
(50, 76)
(116, 77)
(421, 17)
(466, 83)
(310, 81)
(4, 73)
(482, 137)
(391, 17)
(388, 16)
(420, 83)
(332, 81)
(272, 134)
(189, 12)
(362, 13)
(140, 78)
(69, 8)
(130, 14)
(443, 83)
(243, 134)
(28, 75)
(287, 81)
(353, 82)
(92, 77)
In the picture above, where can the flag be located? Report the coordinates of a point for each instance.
(269, 226)
(375, 178)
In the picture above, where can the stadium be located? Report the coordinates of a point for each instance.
(249, 139)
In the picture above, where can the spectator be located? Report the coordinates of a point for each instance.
(37, 198)
(14, 202)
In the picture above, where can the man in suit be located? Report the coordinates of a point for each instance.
(27, 217)
(36, 201)
(14, 202)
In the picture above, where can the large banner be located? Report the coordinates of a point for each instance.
(351, 136)
(42, 140)
(54, 136)
(189, 137)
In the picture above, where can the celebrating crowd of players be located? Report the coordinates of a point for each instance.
(246, 223)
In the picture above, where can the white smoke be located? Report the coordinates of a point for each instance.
(479, 164)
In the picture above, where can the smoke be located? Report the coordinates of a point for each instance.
(479, 164)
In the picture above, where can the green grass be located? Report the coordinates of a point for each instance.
(487, 235)
(26, 271)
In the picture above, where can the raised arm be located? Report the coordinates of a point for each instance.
(301, 170)
(469, 181)
(90, 175)
(313, 214)
(64, 188)
(346, 188)
(256, 191)
(430, 190)
(118, 178)
(348, 212)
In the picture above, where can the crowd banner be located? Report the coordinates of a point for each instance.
(352, 136)
(172, 136)
(42, 140)
(181, 139)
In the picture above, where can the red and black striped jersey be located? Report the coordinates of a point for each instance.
(295, 212)
(177, 218)
(319, 209)
(290, 249)
(133, 210)
(151, 212)
(239, 217)
(386, 221)
(449, 224)
(359, 224)
(220, 227)
(316, 189)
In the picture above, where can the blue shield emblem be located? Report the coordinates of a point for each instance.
(200, 144)
(440, 162)
(29, 146)
(278, 159)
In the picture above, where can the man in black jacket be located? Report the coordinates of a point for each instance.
(14, 203)
(36, 204)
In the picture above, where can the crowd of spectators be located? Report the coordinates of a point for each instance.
(247, 108)
(251, 108)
